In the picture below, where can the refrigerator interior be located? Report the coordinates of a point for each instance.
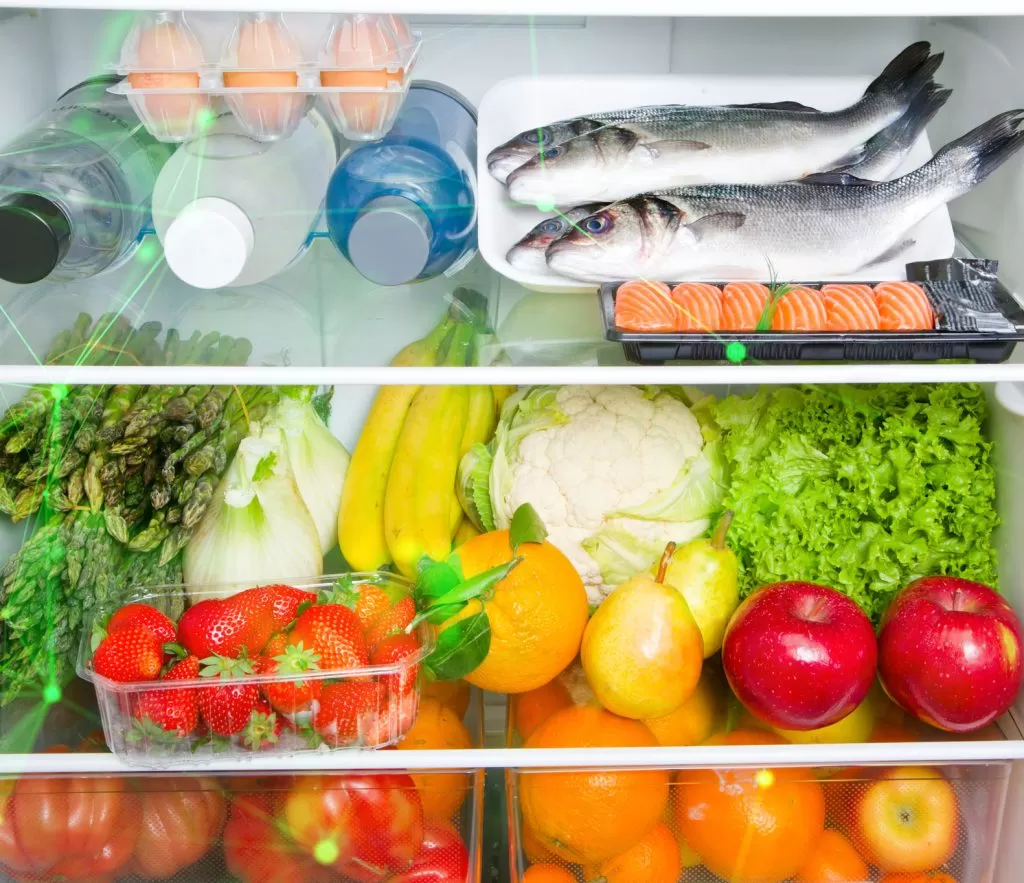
(321, 313)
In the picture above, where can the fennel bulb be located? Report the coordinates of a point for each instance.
(257, 528)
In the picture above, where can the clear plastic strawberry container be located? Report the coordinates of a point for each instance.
(368, 706)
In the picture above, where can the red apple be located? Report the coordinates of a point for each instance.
(799, 656)
(949, 652)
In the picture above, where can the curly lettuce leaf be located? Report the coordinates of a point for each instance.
(862, 489)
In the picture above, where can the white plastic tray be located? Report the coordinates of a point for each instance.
(524, 102)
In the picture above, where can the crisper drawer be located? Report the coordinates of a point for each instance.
(906, 824)
(309, 827)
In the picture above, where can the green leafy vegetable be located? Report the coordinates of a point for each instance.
(860, 488)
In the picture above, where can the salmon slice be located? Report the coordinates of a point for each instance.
(850, 308)
(903, 306)
(701, 305)
(646, 306)
(799, 309)
(742, 305)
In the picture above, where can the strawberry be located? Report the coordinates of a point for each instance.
(368, 601)
(155, 620)
(226, 709)
(345, 709)
(332, 632)
(290, 696)
(283, 602)
(397, 651)
(224, 627)
(171, 714)
(132, 653)
(391, 622)
(263, 729)
(277, 644)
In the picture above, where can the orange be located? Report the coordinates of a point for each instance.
(921, 877)
(454, 694)
(531, 709)
(437, 726)
(537, 613)
(533, 849)
(750, 825)
(695, 720)
(655, 859)
(587, 816)
(547, 874)
(833, 860)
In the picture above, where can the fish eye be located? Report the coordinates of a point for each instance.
(552, 225)
(597, 224)
(552, 152)
(536, 136)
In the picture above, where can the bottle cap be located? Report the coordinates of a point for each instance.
(36, 236)
(390, 240)
(208, 244)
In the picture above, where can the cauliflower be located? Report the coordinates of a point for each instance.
(615, 472)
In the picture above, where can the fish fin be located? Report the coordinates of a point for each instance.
(778, 105)
(892, 252)
(843, 178)
(970, 159)
(719, 222)
(660, 148)
(907, 74)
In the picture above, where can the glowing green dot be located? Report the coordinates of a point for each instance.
(80, 125)
(52, 693)
(546, 205)
(147, 252)
(205, 117)
(58, 392)
(736, 352)
(326, 852)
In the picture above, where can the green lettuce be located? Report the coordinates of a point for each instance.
(861, 489)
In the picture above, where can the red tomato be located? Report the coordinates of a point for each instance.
(68, 828)
(365, 826)
(442, 859)
(182, 818)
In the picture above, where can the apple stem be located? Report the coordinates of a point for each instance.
(666, 557)
(721, 529)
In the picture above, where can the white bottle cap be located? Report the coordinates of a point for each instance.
(208, 244)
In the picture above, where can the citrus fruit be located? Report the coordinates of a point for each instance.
(537, 613)
(654, 859)
(750, 825)
(587, 816)
(547, 874)
(438, 726)
(921, 877)
(535, 851)
(833, 860)
(454, 694)
(532, 708)
(695, 720)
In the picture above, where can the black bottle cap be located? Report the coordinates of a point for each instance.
(34, 237)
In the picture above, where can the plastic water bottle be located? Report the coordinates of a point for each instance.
(75, 188)
(403, 209)
(233, 211)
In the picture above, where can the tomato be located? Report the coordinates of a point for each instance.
(365, 826)
(182, 817)
(257, 851)
(443, 857)
(70, 828)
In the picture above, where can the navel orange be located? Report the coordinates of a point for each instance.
(454, 694)
(833, 860)
(654, 859)
(438, 726)
(587, 816)
(547, 874)
(530, 709)
(750, 825)
(537, 613)
(920, 877)
(696, 719)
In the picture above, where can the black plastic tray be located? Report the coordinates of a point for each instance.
(823, 346)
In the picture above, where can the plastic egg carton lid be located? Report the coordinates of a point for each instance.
(211, 82)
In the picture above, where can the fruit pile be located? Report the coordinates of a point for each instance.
(272, 667)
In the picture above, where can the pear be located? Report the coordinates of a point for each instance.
(642, 649)
(706, 573)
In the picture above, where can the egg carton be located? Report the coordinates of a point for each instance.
(268, 71)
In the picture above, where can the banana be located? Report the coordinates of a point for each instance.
(500, 394)
(467, 530)
(361, 518)
(480, 423)
(418, 500)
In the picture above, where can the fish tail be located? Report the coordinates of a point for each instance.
(966, 162)
(904, 77)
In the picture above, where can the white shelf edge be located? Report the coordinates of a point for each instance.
(614, 375)
(725, 8)
(862, 754)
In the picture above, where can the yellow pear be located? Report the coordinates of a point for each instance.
(855, 727)
(642, 650)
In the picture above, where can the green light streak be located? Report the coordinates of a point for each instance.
(21, 336)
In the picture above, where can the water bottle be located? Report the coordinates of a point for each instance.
(75, 189)
(233, 211)
(403, 209)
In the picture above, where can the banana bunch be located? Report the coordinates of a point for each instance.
(399, 501)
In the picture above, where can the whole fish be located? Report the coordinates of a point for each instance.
(718, 145)
(793, 231)
(883, 154)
